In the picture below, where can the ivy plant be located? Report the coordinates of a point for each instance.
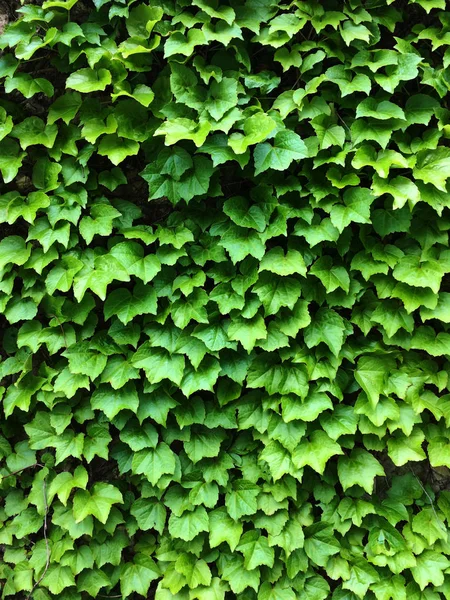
(225, 299)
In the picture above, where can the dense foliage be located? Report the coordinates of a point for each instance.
(225, 302)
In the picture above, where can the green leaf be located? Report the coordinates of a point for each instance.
(222, 97)
(360, 468)
(85, 361)
(89, 80)
(6, 124)
(194, 180)
(342, 421)
(154, 462)
(180, 44)
(239, 211)
(386, 221)
(237, 576)
(158, 364)
(222, 528)
(239, 243)
(275, 292)
(356, 208)
(202, 378)
(347, 81)
(215, 591)
(278, 460)
(247, 331)
(419, 273)
(138, 575)
(45, 175)
(33, 131)
(362, 575)
(70, 383)
(420, 108)
(189, 524)
(402, 189)
(392, 316)
(298, 318)
(29, 86)
(256, 550)
(328, 133)
(381, 162)
(428, 5)
(92, 581)
(433, 166)
(351, 31)
(57, 578)
(203, 444)
(219, 12)
(315, 451)
(180, 128)
(372, 373)
(287, 146)
(20, 310)
(328, 327)
(440, 312)
(377, 130)
(142, 20)
(277, 262)
(65, 108)
(256, 129)
(217, 147)
(141, 93)
(10, 159)
(278, 592)
(320, 543)
(149, 514)
(97, 502)
(379, 110)
(63, 484)
(390, 588)
(403, 449)
(332, 277)
(242, 499)
(428, 524)
(196, 572)
(429, 568)
(277, 378)
(131, 257)
(139, 437)
(127, 306)
(111, 401)
(116, 148)
(13, 250)
(67, 4)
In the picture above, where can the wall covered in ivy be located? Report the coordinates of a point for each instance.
(224, 299)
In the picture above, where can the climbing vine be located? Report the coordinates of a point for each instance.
(225, 301)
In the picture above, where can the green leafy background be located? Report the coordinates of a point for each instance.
(225, 300)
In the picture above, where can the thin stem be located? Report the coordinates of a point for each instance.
(62, 329)
(23, 469)
(345, 124)
(426, 493)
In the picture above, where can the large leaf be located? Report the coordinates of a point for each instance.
(360, 468)
(287, 146)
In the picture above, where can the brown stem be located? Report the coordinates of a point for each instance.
(23, 469)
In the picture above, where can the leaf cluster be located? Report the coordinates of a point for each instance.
(224, 259)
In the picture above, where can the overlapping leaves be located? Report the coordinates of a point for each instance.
(224, 262)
